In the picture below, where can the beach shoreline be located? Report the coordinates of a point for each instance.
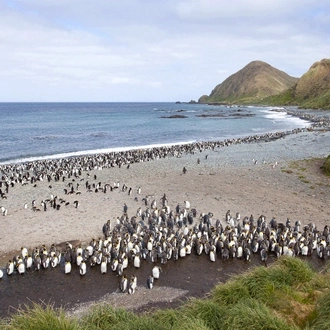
(155, 177)
(278, 178)
(255, 167)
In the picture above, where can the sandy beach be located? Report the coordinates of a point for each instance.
(280, 178)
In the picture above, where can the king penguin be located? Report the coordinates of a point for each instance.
(28, 262)
(123, 283)
(20, 266)
(156, 272)
(24, 252)
(137, 260)
(104, 265)
(82, 268)
(150, 282)
(67, 267)
(54, 261)
(132, 284)
(79, 259)
(212, 253)
(10, 267)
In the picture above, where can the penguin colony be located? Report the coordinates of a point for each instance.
(158, 236)
(153, 234)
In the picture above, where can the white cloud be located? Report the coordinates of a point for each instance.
(179, 49)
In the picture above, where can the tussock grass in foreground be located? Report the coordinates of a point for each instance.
(252, 314)
(320, 282)
(322, 313)
(296, 270)
(284, 287)
(261, 282)
(104, 316)
(191, 324)
(230, 293)
(41, 317)
(211, 313)
(167, 318)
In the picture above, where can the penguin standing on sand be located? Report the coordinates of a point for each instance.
(104, 265)
(156, 272)
(79, 259)
(123, 283)
(82, 268)
(164, 200)
(67, 267)
(150, 282)
(212, 253)
(24, 252)
(37, 262)
(54, 261)
(20, 266)
(264, 255)
(137, 260)
(10, 267)
(120, 268)
(247, 254)
(186, 204)
(132, 284)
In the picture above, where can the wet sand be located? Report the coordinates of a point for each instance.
(280, 178)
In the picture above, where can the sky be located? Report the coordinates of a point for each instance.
(150, 50)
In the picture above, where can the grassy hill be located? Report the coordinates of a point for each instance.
(311, 91)
(255, 81)
(260, 83)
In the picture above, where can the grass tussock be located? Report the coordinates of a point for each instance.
(41, 317)
(286, 295)
(281, 287)
(252, 314)
(262, 282)
(167, 319)
(190, 324)
(211, 313)
(104, 316)
(322, 312)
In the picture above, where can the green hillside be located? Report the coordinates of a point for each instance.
(311, 91)
(255, 81)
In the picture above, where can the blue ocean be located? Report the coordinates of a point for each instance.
(31, 131)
